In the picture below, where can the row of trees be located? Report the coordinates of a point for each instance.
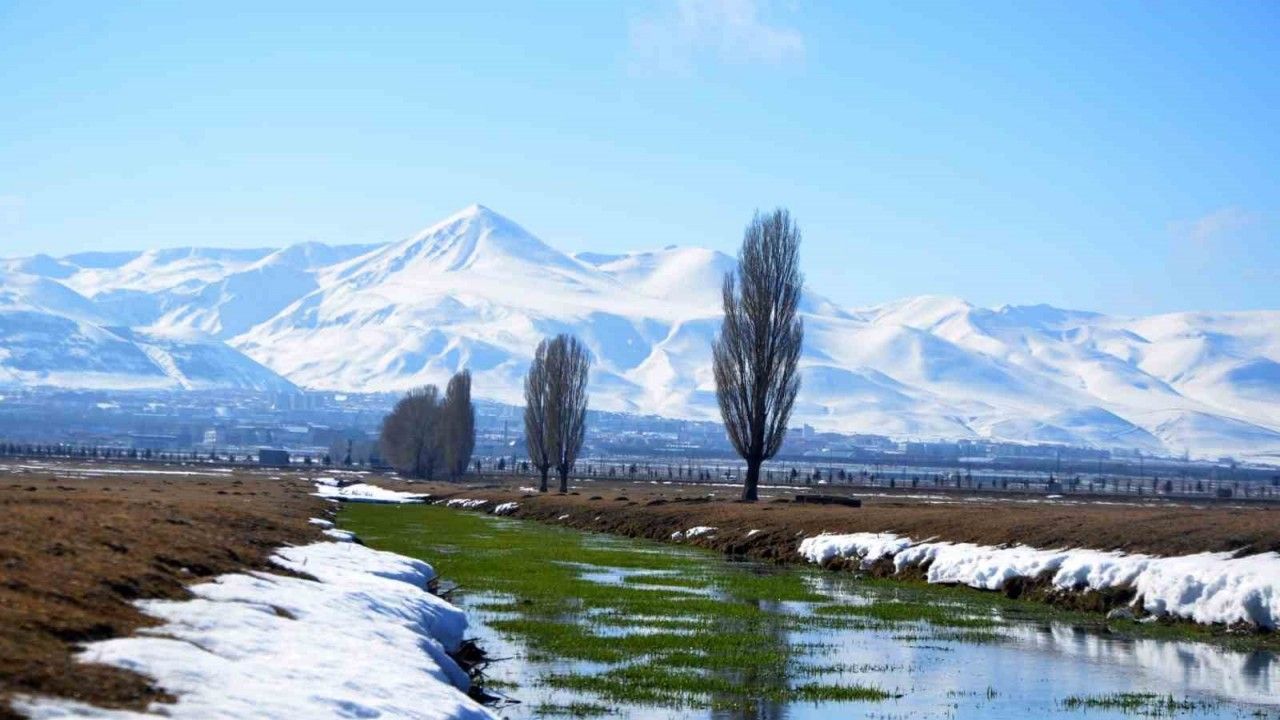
(756, 356)
(426, 434)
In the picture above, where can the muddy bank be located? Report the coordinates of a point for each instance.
(77, 549)
(656, 511)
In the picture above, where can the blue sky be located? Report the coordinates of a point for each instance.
(1120, 157)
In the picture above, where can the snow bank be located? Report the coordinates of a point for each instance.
(465, 503)
(364, 639)
(1205, 587)
(692, 532)
(363, 492)
(506, 508)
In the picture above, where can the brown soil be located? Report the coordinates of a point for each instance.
(75, 551)
(641, 509)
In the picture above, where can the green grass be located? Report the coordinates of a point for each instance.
(693, 583)
(654, 684)
(938, 614)
(576, 710)
(1148, 704)
(675, 627)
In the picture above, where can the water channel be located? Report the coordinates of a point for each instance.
(589, 625)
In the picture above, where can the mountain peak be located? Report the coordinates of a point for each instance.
(477, 216)
(474, 237)
(475, 212)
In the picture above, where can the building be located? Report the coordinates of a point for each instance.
(269, 457)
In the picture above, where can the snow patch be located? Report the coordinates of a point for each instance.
(363, 492)
(269, 646)
(340, 535)
(506, 508)
(465, 503)
(1206, 588)
(692, 532)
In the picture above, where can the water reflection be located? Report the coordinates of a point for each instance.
(772, 635)
(1026, 672)
(1242, 676)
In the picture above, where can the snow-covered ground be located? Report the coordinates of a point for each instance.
(364, 639)
(1205, 587)
(350, 317)
(328, 488)
(692, 532)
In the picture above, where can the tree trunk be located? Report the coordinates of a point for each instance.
(543, 486)
(564, 479)
(752, 481)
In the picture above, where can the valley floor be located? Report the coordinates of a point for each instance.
(81, 543)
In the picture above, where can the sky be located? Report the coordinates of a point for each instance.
(1119, 157)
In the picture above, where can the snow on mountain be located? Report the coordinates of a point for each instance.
(20, 292)
(39, 265)
(1216, 435)
(249, 295)
(51, 335)
(478, 290)
(475, 289)
(167, 270)
(689, 275)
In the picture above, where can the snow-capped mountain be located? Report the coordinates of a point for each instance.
(477, 290)
(51, 335)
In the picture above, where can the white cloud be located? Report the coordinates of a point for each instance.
(1229, 240)
(1208, 231)
(682, 32)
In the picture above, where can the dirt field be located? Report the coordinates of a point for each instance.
(642, 509)
(76, 548)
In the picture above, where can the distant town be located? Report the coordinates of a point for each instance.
(341, 430)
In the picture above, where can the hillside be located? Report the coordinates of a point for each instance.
(478, 290)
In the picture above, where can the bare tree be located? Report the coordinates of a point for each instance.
(555, 406)
(758, 349)
(568, 365)
(411, 434)
(536, 430)
(458, 424)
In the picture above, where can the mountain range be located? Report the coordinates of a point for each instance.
(477, 290)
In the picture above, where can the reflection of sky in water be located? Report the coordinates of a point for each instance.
(1025, 676)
